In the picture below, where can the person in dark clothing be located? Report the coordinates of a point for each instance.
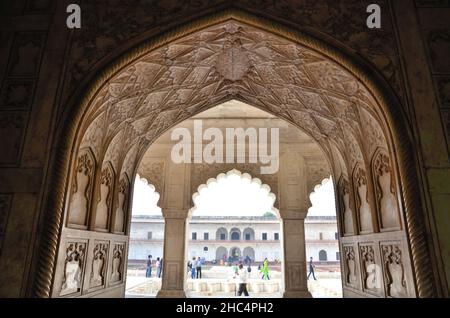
(148, 272)
(199, 268)
(311, 268)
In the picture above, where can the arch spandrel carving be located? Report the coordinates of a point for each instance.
(82, 189)
(192, 63)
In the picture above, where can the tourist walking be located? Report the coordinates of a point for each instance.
(148, 272)
(194, 266)
(311, 268)
(242, 279)
(199, 268)
(189, 268)
(158, 267)
(265, 269)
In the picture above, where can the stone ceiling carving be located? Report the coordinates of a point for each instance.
(230, 61)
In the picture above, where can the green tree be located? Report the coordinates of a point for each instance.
(269, 215)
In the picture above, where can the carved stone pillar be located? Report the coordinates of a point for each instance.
(296, 286)
(173, 272)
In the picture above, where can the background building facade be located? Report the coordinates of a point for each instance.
(218, 238)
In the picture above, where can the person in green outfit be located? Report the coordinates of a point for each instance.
(265, 269)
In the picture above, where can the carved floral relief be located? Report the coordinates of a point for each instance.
(122, 204)
(104, 205)
(345, 209)
(82, 188)
(73, 268)
(117, 264)
(98, 269)
(350, 266)
(385, 191)
(362, 200)
(394, 271)
(371, 272)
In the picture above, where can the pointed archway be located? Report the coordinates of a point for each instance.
(349, 101)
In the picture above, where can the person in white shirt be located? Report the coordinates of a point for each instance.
(242, 278)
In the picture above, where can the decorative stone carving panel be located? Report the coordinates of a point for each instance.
(104, 206)
(99, 265)
(344, 205)
(74, 267)
(173, 274)
(153, 171)
(82, 188)
(350, 266)
(115, 150)
(173, 83)
(363, 211)
(117, 264)
(297, 276)
(101, 39)
(384, 186)
(371, 272)
(372, 132)
(129, 162)
(121, 215)
(94, 135)
(394, 270)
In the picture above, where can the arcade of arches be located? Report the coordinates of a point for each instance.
(321, 95)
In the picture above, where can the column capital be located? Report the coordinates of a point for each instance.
(293, 214)
(174, 214)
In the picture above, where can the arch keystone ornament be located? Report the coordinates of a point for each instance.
(156, 85)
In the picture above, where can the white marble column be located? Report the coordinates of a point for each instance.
(174, 269)
(295, 282)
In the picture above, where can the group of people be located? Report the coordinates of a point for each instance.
(158, 264)
(195, 267)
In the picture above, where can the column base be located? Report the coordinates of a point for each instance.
(171, 294)
(297, 294)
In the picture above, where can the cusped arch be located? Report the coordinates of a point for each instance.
(150, 185)
(242, 175)
(386, 107)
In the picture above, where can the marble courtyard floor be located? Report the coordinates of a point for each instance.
(327, 285)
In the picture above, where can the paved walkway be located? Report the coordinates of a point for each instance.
(327, 285)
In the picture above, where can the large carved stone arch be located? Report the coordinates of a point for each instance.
(372, 90)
